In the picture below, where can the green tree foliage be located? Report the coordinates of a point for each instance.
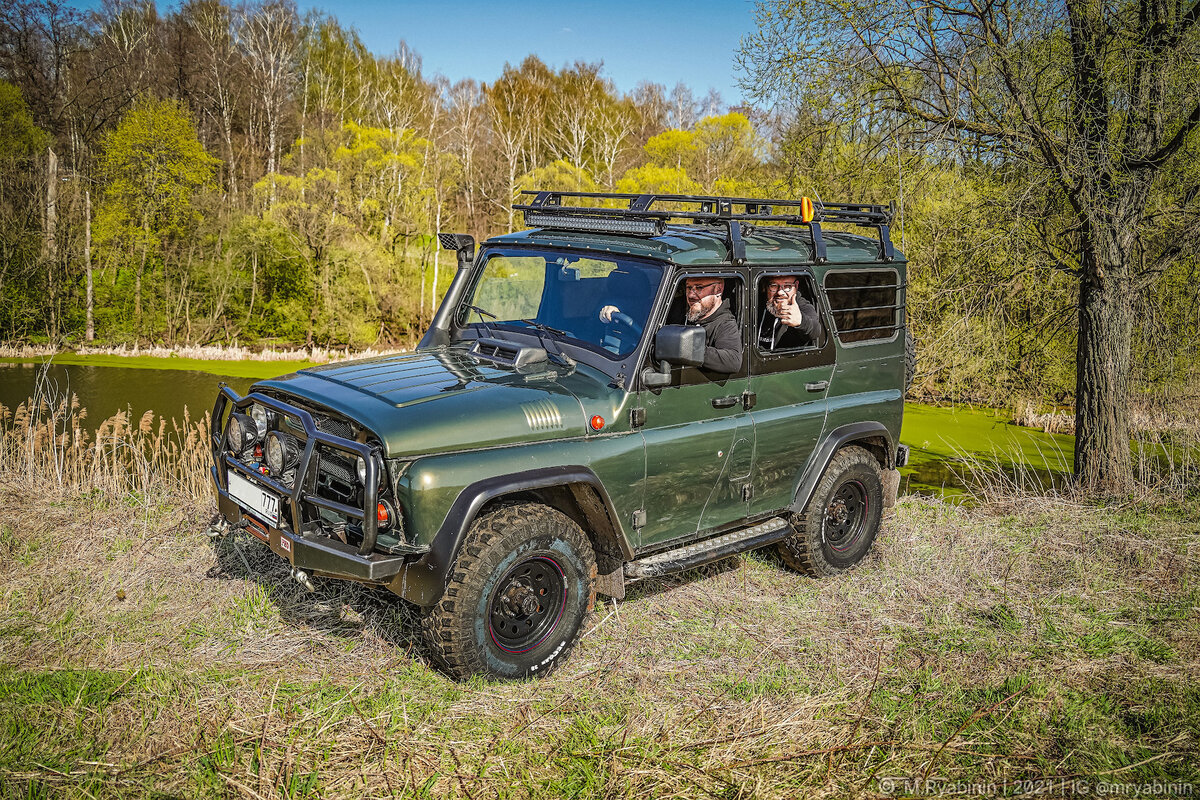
(340, 256)
(22, 281)
(153, 166)
(1091, 104)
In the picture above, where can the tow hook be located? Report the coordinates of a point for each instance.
(217, 527)
(303, 579)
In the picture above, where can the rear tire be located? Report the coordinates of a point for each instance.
(839, 524)
(516, 599)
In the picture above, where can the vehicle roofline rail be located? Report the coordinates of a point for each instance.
(640, 218)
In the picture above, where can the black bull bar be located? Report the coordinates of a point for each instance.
(306, 548)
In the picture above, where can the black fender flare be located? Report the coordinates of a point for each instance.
(834, 441)
(422, 582)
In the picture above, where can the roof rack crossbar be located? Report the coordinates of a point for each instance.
(705, 208)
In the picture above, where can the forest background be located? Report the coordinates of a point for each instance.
(220, 174)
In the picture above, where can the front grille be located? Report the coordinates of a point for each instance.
(334, 426)
(338, 467)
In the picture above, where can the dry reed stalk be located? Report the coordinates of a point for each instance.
(49, 448)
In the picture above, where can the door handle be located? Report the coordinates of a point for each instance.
(726, 402)
(819, 386)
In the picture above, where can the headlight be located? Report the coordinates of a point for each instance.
(243, 432)
(261, 417)
(360, 467)
(281, 452)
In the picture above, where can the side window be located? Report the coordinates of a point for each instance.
(709, 293)
(789, 319)
(864, 303)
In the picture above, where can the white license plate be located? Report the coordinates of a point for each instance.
(253, 497)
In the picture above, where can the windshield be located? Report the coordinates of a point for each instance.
(598, 303)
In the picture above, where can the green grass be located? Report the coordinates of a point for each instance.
(1031, 640)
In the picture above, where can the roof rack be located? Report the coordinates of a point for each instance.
(641, 218)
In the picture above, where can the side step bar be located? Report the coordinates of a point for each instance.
(700, 553)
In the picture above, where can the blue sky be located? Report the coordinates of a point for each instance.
(664, 41)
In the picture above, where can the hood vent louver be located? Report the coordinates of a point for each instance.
(509, 354)
(542, 416)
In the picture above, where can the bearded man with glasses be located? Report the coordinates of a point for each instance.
(706, 306)
(788, 319)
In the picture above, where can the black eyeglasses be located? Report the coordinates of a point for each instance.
(700, 288)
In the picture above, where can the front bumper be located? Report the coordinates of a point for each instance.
(299, 535)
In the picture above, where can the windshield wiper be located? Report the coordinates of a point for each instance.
(482, 312)
(556, 353)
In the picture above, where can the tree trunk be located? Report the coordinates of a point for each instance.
(87, 262)
(1102, 454)
(137, 285)
(50, 244)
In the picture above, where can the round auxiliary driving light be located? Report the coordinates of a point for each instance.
(243, 432)
(360, 467)
(281, 452)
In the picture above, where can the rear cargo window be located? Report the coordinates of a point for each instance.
(865, 304)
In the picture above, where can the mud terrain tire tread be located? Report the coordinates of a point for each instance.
(450, 628)
(804, 550)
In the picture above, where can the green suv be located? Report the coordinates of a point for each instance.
(617, 393)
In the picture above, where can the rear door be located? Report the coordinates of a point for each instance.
(790, 386)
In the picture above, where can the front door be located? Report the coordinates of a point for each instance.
(699, 442)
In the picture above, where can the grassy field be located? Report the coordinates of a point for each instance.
(1040, 641)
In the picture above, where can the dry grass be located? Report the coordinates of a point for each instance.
(137, 657)
(1162, 414)
(45, 443)
(1026, 638)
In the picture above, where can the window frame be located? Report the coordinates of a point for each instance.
(767, 362)
(692, 376)
(899, 304)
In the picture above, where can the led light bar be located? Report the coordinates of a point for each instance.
(637, 227)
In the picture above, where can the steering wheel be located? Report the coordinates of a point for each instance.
(619, 329)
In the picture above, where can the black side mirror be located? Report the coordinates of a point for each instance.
(674, 345)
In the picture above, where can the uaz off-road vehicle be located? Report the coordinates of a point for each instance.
(531, 453)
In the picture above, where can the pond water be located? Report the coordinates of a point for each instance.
(942, 440)
(104, 391)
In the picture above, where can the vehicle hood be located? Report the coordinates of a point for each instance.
(443, 400)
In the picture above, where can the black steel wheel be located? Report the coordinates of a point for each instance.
(527, 604)
(524, 581)
(846, 516)
(839, 524)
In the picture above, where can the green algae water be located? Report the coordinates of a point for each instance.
(104, 390)
(943, 440)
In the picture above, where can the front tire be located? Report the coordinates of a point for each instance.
(839, 524)
(524, 581)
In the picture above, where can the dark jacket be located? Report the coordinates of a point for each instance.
(774, 335)
(722, 340)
